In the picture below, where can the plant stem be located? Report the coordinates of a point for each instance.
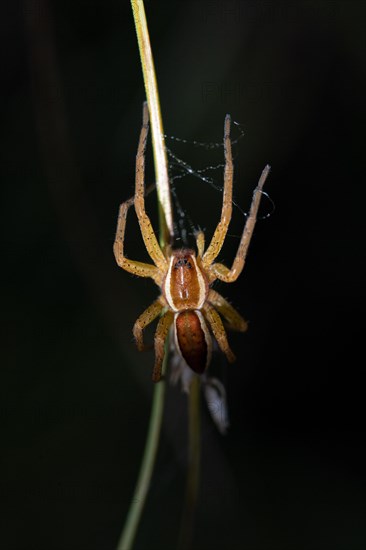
(152, 95)
(146, 469)
(194, 456)
(166, 231)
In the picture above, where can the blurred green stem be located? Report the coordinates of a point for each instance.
(146, 469)
(194, 459)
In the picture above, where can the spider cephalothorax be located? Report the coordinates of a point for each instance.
(187, 300)
(185, 285)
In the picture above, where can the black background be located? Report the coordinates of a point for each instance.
(75, 394)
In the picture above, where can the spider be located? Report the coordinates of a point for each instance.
(187, 302)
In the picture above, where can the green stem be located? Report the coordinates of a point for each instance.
(194, 459)
(166, 231)
(157, 131)
(146, 469)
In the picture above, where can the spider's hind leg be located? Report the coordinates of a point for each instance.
(218, 330)
(233, 319)
(160, 339)
(147, 317)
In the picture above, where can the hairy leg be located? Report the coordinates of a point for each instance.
(137, 268)
(233, 319)
(220, 232)
(218, 330)
(200, 243)
(147, 317)
(160, 339)
(220, 271)
(147, 232)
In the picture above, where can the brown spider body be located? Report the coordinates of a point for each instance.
(193, 339)
(185, 285)
(185, 289)
(187, 301)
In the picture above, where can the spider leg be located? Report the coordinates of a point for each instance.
(218, 330)
(147, 232)
(200, 243)
(233, 319)
(137, 268)
(220, 271)
(147, 317)
(160, 338)
(220, 232)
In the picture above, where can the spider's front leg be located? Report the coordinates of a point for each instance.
(200, 243)
(140, 269)
(147, 231)
(220, 271)
(219, 235)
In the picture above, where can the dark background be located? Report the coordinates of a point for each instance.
(75, 394)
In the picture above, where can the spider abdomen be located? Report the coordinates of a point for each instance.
(193, 339)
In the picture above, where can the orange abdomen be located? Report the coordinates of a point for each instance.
(193, 339)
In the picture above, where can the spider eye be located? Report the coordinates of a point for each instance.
(182, 262)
